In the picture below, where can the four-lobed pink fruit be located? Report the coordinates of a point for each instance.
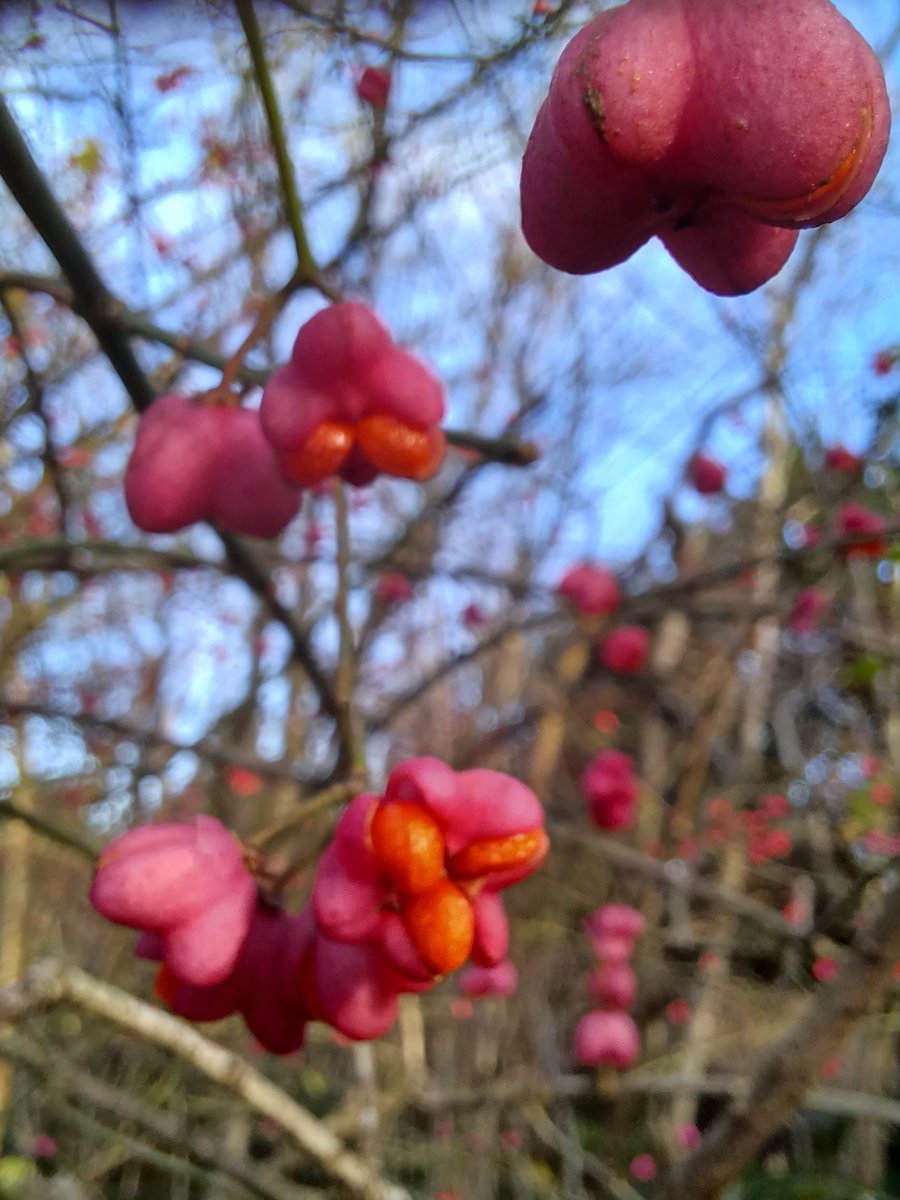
(197, 462)
(722, 128)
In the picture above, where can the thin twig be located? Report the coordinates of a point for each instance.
(49, 983)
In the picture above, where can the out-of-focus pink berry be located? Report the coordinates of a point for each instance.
(607, 1039)
(613, 930)
(824, 969)
(625, 649)
(883, 362)
(394, 588)
(839, 458)
(678, 1011)
(856, 519)
(643, 1168)
(43, 1146)
(373, 86)
(610, 788)
(501, 980)
(591, 590)
(706, 474)
(688, 1136)
(808, 607)
(614, 985)
(186, 883)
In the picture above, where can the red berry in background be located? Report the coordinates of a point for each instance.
(808, 607)
(667, 120)
(884, 362)
(394, 588)
(643, 1168)
(613, 930)
(610, 788)
(608, 1039)
(350, 402)
(824, 969)
(499, 980)
(373, 86)
(856, 519)
(593, 591)
(839, 458)
(614, 985)
(625, 649)
(706, 474)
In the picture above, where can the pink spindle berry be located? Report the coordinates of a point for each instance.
(643, 1168)
(411, 881)
(667, 120)
(884, 362)
(824, 969)
(853, 519)
(613, 930)
(500, 980)
(188, 885)
(593, 591)
(707, 475)
(614, 985)
(688, 1136)
(394, 588)
(608, 1039)
(625, 649)
(808, 607)
(194, 462)
(839, 458)
(610, 788)
(373, 86)
(350, 402)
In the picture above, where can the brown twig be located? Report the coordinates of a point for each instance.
(49, 983)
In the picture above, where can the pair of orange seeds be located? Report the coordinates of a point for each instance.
(387, 442)
(435, 893)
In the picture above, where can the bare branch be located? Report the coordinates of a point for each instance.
(49, 982)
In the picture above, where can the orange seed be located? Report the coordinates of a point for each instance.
(408, 845)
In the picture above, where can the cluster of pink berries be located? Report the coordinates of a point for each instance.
(594, 592)
(350, 402)
(408, 891)
(667, 121)
(608, 1036)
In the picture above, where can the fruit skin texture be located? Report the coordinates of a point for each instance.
(188, 885)
(199, 462)
(350, 402)
(722, 128)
